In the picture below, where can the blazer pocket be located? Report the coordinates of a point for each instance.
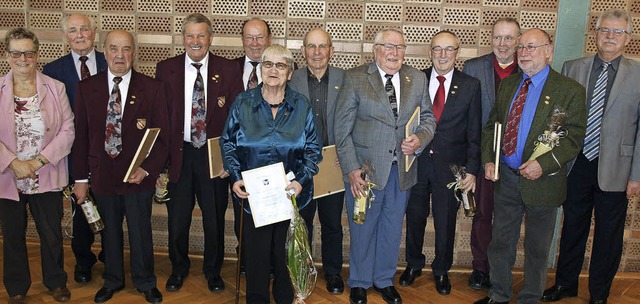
(626, 150)
(357, 145)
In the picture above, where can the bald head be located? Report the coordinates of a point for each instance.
(119, 51)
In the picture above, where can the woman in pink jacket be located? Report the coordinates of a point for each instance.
(36, 134)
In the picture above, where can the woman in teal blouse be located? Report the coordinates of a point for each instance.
(266, 125)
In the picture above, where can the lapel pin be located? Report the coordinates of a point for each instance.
(455, 86)
(131, 102)
(407, 78)
(337, 88)
(453, 92)
(133, 96)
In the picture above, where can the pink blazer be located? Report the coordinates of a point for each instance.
(58, 139)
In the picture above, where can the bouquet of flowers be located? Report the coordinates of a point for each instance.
(551, 137)
(302, 271)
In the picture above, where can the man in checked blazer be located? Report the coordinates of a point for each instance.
(374, 105)
(80, 32)
(143, 105)
(601, 185)
(189, 163)
(529, 188)
(321, 83)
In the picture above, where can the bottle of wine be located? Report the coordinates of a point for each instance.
(90, 211)
(468, 203)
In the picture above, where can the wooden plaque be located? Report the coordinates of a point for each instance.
(329, 178)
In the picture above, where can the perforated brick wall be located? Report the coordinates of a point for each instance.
(156, 25)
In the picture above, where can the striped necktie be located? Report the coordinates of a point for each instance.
(594, 119)
(391, 93)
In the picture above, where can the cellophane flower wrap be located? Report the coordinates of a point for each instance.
(552, 136)
(302, 271)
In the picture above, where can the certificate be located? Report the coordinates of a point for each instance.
(410, 128)
(267, 198)
(329, 178)
(144, 148)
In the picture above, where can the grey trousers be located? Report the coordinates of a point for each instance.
(507, 219)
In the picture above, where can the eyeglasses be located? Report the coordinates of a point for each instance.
(529, 48)
(320, 47)
(27, 54)
(448, 50)
(279, 65)
(260, 39)
(390, 47)
(616, 31)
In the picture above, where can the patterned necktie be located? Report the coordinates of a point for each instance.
(594, 119)
(513, 124)
(84, 69)
(198, 111)
(391, 93)
(438, 100)
(113, 132)
(253, 77)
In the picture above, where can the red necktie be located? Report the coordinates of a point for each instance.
(513, 124)
(438, 100)
(84, 69)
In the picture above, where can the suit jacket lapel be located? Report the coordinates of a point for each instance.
(69, 68)
(545, 106)
(452, 96)
(378, 87)
(212, 88)
(621, 77)
(490, 80)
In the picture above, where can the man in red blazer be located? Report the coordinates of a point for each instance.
(189, 160)
(101, 159)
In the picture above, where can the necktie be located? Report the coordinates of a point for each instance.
(113, 132)
(84, 69)
(253, 77)
(438, 100)
(391, 93)
(513, 124)
(594, 118)
(198, 111)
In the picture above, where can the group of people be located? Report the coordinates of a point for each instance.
(266, 111)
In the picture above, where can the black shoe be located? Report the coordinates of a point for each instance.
(335, 284)
(488, 300)
(61, 294)
(443, 286)
(479, 280)
(215, 284)
(174, 283)
(598, 301)
(389, 294)
(105, 294)
(82, 274)
(409, 275)
(557, 292)
(358, 295)
(152, 295)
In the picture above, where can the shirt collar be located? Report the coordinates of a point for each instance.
(91, 55)
(324, 78)
(614, 64)
(539, 77)
(204, 62)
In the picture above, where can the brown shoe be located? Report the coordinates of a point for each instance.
(19, 299)
(61, 294)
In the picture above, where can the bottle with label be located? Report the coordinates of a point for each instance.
(90, 211)
(360, 209)
(468, 203)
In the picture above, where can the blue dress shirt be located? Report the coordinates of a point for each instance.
(252, 138)
(528, 112)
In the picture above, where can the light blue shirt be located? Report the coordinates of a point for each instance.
(528, 112)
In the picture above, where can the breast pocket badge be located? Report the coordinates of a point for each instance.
(141, 123)
(221, 101)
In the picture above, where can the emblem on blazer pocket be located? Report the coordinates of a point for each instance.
(221, 101)
(141, 123)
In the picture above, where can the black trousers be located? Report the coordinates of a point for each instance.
(264, 247)
(431, 186)
(584, 196)
(330, 214)
(46, 209)
(137, 209)
(212, 196)
(83, 239)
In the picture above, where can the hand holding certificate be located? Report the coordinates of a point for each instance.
(267, 195)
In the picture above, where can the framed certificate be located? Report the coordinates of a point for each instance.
(215, 157)
(267, 198)
(144, 148)
(410, 128)
(329, 178)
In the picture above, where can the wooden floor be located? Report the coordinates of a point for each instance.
(626, 288)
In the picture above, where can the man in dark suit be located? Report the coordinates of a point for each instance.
(189, 160)
(533, 188)
(113, 110)
(321, 83)
(490, 69)
(607, 170)
(82, 62)
(256, 36)
(456, 105)
(374, 106)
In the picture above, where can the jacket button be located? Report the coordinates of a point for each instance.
(390, 151)
(48, 129)
(396, 127)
